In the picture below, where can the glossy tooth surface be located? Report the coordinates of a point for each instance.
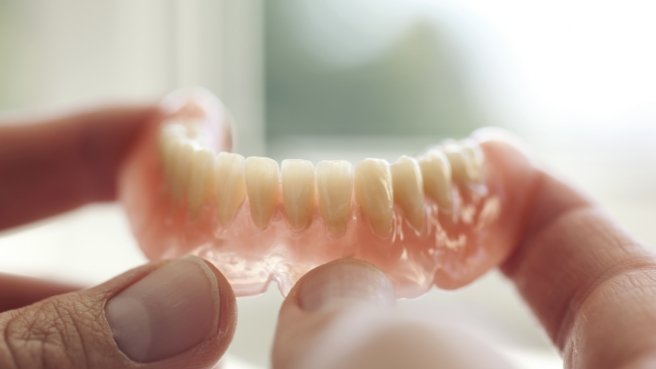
(229, 185)
(436, 175)
(466, 164)
(298, 192)
(167, 141)
(182, 152)
(408, 190)
(334, 192)
(262, 177)
(198, 190)
(373, 193)
(475, 160)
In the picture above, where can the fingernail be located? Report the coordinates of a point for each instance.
(167, 312)
(344, 282)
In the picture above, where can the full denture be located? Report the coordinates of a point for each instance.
(418, 219)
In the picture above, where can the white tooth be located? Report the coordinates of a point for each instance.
(262, 181)
(193, 129)
(170, 135)
(198, 191)
(229, 185)
(476, 159)
(183, 150)
(408, 192)
(298, 191)
(373, 192)
(436, 173)
(334, 190)
(466, 162)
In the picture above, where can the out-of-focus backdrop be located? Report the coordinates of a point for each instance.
(347, 79)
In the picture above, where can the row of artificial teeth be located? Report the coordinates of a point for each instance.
(199, 176)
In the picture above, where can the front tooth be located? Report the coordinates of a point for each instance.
(298, 191)
(334, 190)
(229, 184)
(466, 162)
(436, 173)
(373, 192)
(408, 192)
(201, 163)
(262, 188)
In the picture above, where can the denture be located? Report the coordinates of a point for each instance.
(443, 217)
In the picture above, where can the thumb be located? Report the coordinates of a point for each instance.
(171, 314)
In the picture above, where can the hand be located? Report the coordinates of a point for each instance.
(592, 286)
(169, 314)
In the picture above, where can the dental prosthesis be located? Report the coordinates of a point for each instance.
(444, 217)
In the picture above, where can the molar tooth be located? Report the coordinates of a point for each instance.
(373, 192)
(476, 159)
(466, 163)
(230, 185)
(201, 163)
(262, 188)
(436, 174)
(298, 191)
(334, 190)
(408, 192)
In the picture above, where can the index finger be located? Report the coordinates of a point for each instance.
(52, 165)
(592, 286)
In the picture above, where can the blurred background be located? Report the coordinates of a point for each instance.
(347, 79)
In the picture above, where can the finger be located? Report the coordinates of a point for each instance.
(341, 315)
(49, 166)
(591, 284)
(172, 314)
(16, 292)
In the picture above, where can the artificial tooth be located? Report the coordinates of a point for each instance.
(475, 159)
(373, 192)
(170, 143)
(201, 165)
(334, 192)
(466, 163)
(183, 150)
(166, 147)
(166, 139)
(298, 191)
(229, 184)
(436, 174)
(262, 188)
(408, 192)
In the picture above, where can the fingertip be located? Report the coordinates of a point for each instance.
(180, 308)
(342, 283)
(327, 310)
(175, 313)
(567, 253)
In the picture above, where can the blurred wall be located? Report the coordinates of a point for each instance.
(57, 53)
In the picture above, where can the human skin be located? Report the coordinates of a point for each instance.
(592, 285)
